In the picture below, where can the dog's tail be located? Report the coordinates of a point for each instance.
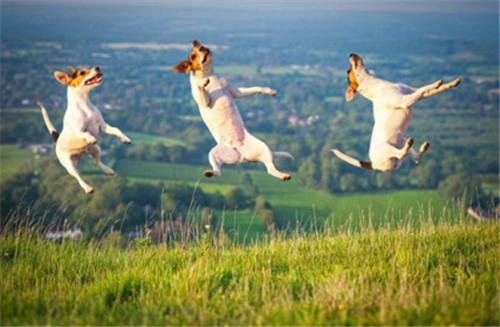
(282, 154)
(352, 161)
(48, 123)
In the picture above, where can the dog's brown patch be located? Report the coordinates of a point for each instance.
(365, 164)
(195, 61)
(183, 67)
(208, 173)
(352, 84)
(76, 78)
(55, 136)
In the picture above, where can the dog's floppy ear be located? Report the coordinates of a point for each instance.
(350, 93)
(183, 67)
(63, 78)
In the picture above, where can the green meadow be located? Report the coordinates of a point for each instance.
(148, 138)
(295, 205)
(438, 274)
(12, 159)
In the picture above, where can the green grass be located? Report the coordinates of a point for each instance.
(439, 274)
(12, 159)
(292, 201)
(241, 226)
(148, 138)
(491, 188)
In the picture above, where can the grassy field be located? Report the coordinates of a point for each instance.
(12, 158)
(148, 138)
(293, 202)
(438, 274)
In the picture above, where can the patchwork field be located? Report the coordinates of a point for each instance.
(295, 203)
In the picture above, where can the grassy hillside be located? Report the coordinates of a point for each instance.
(439, 274)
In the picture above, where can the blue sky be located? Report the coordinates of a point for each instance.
(469, 6)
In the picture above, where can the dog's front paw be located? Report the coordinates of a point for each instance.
(269, 91)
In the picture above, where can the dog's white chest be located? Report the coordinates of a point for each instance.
(222, 116)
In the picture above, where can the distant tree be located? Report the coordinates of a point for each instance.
(328, 182)
(176, 154)
(309, 172)
(184, 194)
(464, 187)
(216, 200)
(428, 174)
(236, 197)
(247, 181)
(245, 178)
(348, 183)
(261, 204)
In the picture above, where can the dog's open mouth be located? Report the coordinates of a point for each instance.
(94, 80)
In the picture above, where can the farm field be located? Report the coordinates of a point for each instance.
(289, 198)
(12, 158)
(148, 138)
(293, 202)
(439, 274)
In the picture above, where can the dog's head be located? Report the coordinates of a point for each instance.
(199, 58)
(82, 80)
(355, 69)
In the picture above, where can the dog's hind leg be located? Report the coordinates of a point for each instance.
(416, 156)
(95, 152)
(267, 159)
(390, 151)
(405, 149)
(70, 163)
(256, 150)
(221, 154)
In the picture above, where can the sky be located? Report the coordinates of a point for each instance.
(479, 6)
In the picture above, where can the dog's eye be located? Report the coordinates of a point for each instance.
(82, 73)
(193, 57)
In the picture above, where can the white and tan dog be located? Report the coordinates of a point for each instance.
(392, 108)
(215, 99)
(81, 125)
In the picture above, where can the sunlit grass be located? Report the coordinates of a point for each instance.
(438, 274)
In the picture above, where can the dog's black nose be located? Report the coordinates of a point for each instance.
(97, 69)
(195, 43)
